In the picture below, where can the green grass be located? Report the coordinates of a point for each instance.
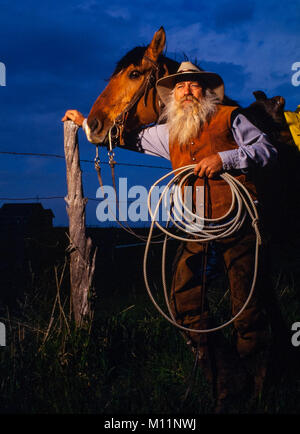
(129, 361)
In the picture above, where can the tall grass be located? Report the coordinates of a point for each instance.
(128, 361)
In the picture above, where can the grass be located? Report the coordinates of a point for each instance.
(124, 364)
(129, 361)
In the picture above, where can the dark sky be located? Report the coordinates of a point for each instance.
(59, 54)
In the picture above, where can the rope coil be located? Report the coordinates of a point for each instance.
(204, 231)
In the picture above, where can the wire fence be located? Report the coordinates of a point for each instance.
(29, 154)
(46, 155)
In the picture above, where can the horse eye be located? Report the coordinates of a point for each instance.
(134, 74)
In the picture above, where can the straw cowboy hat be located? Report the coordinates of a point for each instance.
(189, 72)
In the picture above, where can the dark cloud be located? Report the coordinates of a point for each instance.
(231, 14)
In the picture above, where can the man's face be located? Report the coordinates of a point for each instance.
(185, 89)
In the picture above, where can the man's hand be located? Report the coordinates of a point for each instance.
(75, 116)
(209, 166)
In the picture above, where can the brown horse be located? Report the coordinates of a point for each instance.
(130, 96)
(130, 99)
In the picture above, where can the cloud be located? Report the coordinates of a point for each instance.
(263, 55)
(120, 12)
(229, 15)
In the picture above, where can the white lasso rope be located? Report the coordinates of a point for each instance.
(204, 231)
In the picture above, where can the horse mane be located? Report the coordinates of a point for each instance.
(135, 56)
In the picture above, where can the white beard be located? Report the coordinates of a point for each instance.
(186, 120)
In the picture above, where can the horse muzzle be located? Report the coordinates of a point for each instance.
(94, 131)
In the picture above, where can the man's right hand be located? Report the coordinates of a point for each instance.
(75, 116)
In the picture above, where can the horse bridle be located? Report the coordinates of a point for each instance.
(116, 131)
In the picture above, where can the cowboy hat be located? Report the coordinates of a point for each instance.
(189, 72)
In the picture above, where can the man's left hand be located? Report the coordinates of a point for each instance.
(209, 166)
(75, 116)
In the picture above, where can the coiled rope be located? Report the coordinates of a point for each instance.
(203, 230)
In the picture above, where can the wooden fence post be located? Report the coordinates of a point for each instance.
(82, 260)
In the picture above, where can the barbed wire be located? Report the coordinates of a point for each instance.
(32, 198)
(45, 155)
(36, 198)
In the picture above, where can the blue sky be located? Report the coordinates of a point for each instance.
(59, 54)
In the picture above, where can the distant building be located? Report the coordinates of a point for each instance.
(26, 217)
(25, 231)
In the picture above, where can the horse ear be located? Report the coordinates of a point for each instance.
(260, 95)
(157, 44)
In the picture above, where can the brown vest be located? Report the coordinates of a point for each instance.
(215, 136)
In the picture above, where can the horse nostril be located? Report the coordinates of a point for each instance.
(94, 124)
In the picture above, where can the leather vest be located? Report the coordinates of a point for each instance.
(215, 136)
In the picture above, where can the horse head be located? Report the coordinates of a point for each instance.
(130, 96)
(267, 114)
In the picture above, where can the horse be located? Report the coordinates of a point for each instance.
(130, 99)
(278, 190)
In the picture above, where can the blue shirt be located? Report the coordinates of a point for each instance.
(254, 148)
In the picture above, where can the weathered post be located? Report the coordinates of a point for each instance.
(82, 260)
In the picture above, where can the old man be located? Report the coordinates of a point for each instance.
(195, 127)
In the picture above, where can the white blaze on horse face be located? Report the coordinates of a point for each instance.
(87, 130)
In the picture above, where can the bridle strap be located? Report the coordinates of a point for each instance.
(119, 124)
(147, 84)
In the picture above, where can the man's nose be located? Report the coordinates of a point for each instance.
(187, 90)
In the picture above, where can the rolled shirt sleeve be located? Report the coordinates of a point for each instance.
(254, 147)
(155, 141)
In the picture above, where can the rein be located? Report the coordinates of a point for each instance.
(115, 136)
(116, 131)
